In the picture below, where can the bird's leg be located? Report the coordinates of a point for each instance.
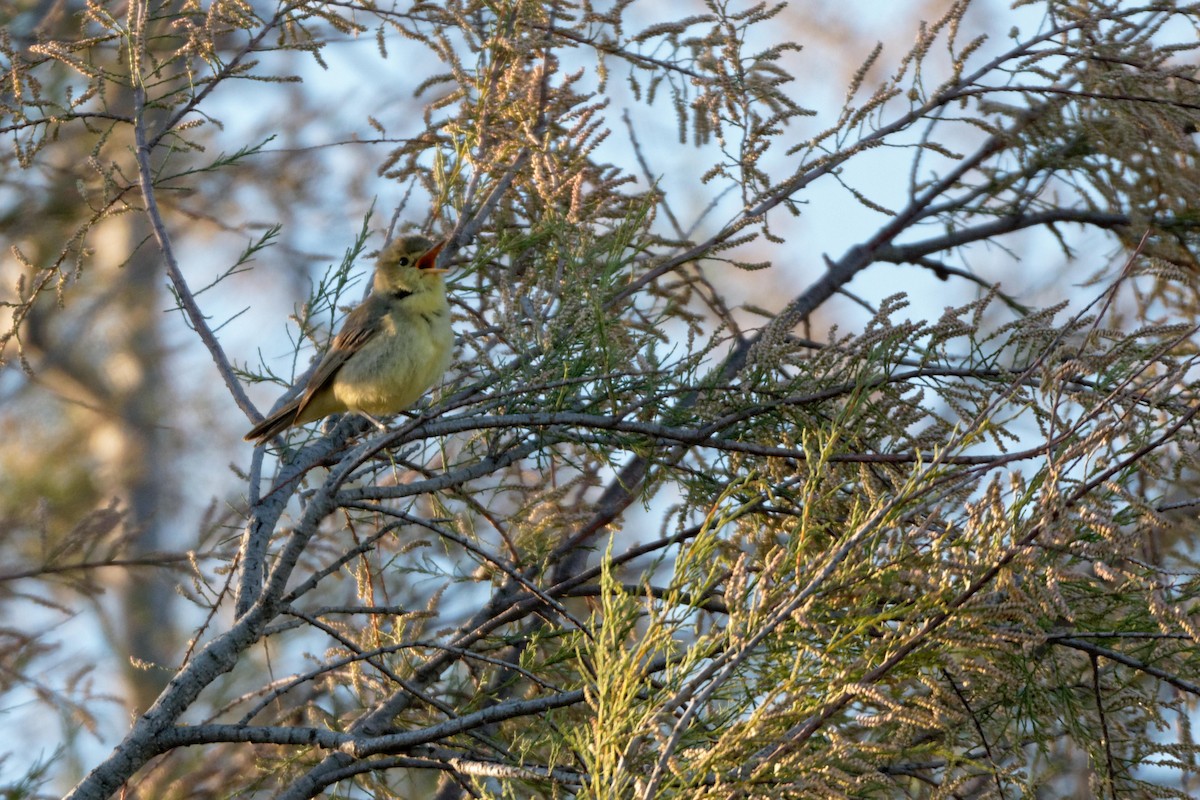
(373, 421)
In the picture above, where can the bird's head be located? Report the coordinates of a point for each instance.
(407, 265)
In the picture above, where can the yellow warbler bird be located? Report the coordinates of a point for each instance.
(390, 350)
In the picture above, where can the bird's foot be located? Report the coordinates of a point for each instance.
(374, 421)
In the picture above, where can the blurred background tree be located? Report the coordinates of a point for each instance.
(822, 417)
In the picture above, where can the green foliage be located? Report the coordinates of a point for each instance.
(648, 540)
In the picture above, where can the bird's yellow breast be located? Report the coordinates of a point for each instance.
(402, 360)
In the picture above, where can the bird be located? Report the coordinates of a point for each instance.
(390, 350)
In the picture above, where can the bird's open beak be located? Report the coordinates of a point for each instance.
(426, 262)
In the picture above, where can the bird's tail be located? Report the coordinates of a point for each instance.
(273, 425)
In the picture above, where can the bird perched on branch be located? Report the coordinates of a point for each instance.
(390, 350)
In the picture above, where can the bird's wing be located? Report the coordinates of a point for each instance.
(361, 324)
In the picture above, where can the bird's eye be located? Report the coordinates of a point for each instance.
(403, 261)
